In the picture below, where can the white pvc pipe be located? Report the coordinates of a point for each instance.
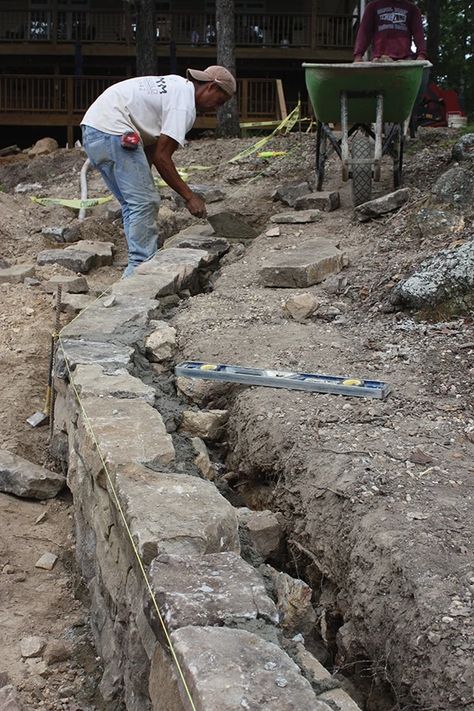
(84, 169)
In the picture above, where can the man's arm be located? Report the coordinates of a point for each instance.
(160, 155)
(418, 33)
(365, 34)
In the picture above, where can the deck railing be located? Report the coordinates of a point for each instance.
(195, 29)
(71, 96)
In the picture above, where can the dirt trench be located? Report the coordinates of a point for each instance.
(376, 496)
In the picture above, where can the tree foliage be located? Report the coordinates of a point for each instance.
(451, 45)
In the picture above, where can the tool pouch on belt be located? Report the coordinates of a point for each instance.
(130, 141)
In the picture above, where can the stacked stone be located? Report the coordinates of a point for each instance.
(135, 514)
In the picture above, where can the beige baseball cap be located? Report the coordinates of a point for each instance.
(216, 73)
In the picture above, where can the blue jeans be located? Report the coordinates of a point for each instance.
(128, 176)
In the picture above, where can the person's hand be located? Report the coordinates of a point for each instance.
(196, 206)
(358, 58)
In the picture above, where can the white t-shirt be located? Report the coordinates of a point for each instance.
(148, 105)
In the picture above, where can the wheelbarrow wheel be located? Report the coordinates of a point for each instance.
(362, 157)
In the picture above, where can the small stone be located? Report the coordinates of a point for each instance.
(326, 312)
(301, 306)
(203, 461)
(27, 187)
(301, 217)
(160, 345)
(382, 205)
(209, 193)
(434, 637)
(31, 647)
(202, 392)
(43, 147)
(109, 301)
(281, 682)
(308, 264)
(16, 274)
(8, 569)
(57, 651)
(42, 517)
(289, 192)
(72, 303)
(273, 232)
(263, 530)
(76, 284)
(270, 666)
(9, 700)
(37, 667)
(327, 201)
(56, 233)
(416, 516)
(420, 457)
(208, 424)
(47, 561)
(20, 477)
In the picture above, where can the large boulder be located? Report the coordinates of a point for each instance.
(22, 478)
(43, 147)
(463, 150)
(433, 223)
(455, 187)
(382, 205)
(302, 267)
(447, 278)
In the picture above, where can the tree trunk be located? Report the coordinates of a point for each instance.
(228, 115)
(433, 35)
(146, 38)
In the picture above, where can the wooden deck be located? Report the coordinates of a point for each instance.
(47, 100)
(115, 29)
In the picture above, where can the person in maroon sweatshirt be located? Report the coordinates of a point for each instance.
(390, 27)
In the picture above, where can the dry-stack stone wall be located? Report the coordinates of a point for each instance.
(155, 540)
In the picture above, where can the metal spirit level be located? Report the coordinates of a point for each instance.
(312, 382)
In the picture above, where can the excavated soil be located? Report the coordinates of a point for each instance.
(376, 495)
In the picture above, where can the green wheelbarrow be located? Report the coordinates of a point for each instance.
(374, 99)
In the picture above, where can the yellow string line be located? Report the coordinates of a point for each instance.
(127, 528)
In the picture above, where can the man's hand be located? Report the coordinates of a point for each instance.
(196, 206)
(358, 58)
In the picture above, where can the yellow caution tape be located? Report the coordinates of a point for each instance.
(75, 204)
(190, 168)
(287, 124)
(271, 154)
(160, 183)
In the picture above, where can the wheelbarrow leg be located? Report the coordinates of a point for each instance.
(378, 137)
(398, 158)
(344, 137)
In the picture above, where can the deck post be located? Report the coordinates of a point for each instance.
(281, 99)
(70, 111)
(245, 100)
